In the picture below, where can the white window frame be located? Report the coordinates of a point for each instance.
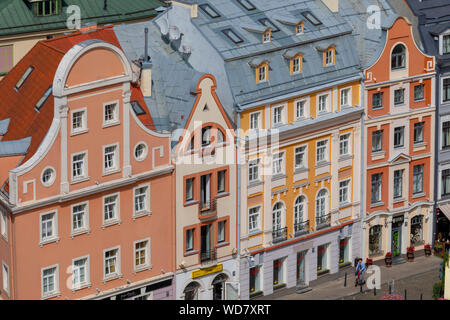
(258, 220)
(326, 153)
(299, 64)
(52, 179)
(144, 155)
(84, 229)
(348, 187)
(116, 160)
(442, 90)
(305, 111)
(56, 291)
(258, 163)
(283, 163)
(349, 144)
(267, 36)
(262, 76)
(4, 223)
(282, 117)
(349, 96)
(147, 265)
(327, 103)
(87, 282)
(441, 41)
(258, 114)
(305, 156)
(85, 175)
(191, 248)
(146, 210)
(54, 237)
(116, 219)
(115, 121)
(84, 127)
(6, 279)
(329, 57)
(117, 273)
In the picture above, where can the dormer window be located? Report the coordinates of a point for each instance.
(266, 36)
(398, 57)
(296, 64)
(262, 73)
(44, 8)
(299, 28)
(446, 44)
(329, 57)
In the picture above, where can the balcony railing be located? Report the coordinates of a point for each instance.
(208, 207)
(301, 228)
(279, 235)
(323, 221)
(208, 255)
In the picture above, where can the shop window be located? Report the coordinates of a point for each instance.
(191, 291)
(278, 273)
(375, 240)
(417, 230)
(344, 251)
(255, 281)
(322, 259)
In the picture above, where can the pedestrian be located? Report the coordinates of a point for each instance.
(359, 273)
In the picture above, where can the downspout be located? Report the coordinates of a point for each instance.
(363, 169)
(436, 156)
(238, 233)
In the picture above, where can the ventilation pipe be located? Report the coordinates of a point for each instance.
(146, 74)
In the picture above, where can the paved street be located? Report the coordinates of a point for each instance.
(422, 273)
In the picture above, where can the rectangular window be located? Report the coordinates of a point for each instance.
(300, 156)
(254, 120)
(266, 37)
(262, 73)
(399, 134)
(3, 223)
(247, 4)
(419, 92)
(110, 208)
(221, 231)
(418, 132)
(377, 100)
(321, 151)
(189, 240)
(189, 189)
(277, 115)
(78, 120)
(79, 217)
(80, 272)
(24, 76)
(253, 219)
(375, 240)
(345, 97)
(398, 184)
(230, 34)
(221, 175)
(253, 170)
(446, 90)
(418, 179)
(300, 109)
(6, 59)
(5, 278)
(140, 199)
(446, 44)
(344, 191)
(446, 134)
(376, 188)
(445, 182)
(110, 113)
(278, 272)
(110, 158)
(141, 251)
(377, 140)
(49, 281)
(323, 103)
(329, 57)
(416, 231)
(255, 280)
(322, 258)
(78, 166)
(210, 11)
(111, 262)
(344, 250)
(48, 226)
(344, 144)
(277, 163)
(311, 18)
(399, 96)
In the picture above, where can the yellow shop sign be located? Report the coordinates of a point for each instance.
(204, 272)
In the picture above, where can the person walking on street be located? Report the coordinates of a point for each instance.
(360, 269)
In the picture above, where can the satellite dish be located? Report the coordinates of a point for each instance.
(164, 26)
(174, 33)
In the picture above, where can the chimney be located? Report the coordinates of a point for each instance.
(333, 5)
(146, 74)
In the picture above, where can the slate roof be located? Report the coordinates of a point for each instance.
(434, 18)
(16, 16)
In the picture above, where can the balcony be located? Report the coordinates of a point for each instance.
(208, 208)
(208, 255)
(301, 228)
(323, 221)
(279, 235)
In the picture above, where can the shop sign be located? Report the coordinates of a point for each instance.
(204, 272)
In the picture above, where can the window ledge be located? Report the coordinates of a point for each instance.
(79, 180)
(47, 241)
(255, 183)
(78, 132)
(51, 295)
(190, 253)
(82, 286)
(222, 244)
(397, 200)
(377, 204)
(399, 146)
(419, 144)
(112, 277)
(110, 124)
(141, 214)
(191, 203)
(301, 170)
(222, 195)
(111, 223)
(254, 233)
(344, 205)
(418, 195)
(322, 164)
(346, 157)
(79, 232)
(279, 176)
(377, 108)
(111, 171)
(142, 268)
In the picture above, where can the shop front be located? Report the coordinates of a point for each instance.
(442, 241)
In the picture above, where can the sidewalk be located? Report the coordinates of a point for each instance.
(334, 289)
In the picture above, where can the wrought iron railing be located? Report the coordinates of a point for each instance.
(208, 255)
(323, 221)
(279, 234)
(208, 207)
(301, 228)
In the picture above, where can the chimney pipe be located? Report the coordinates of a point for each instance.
(146, 57)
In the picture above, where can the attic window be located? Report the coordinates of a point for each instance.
(232, 36)
(206, 8)
(44, 98)
(268, 23)
(311, 18)
(137, 108)
(247, 4)
(24, 77)
(47, 7)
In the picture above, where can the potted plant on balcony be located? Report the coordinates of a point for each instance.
(388, 259)
(427, 249)
(410, 253)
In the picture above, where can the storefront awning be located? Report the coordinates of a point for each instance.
(445, 209)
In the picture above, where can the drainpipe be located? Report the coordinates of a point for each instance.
(238, 141)
(363, 169)
(438, 132)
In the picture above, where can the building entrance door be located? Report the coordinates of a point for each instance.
(397, 236)
(301, 268)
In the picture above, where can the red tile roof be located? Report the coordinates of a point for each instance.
(19, 105)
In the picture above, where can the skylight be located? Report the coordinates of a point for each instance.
(137, 108)
(247, 4)
(232, 36)
(268, 23)
(311, 18)
(24, 77)
(206, 8)
(44, 98)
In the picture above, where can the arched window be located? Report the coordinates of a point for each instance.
(206, 136)
(220, 137)
(191, 291)
(375, 240)
(398, 57)
(277, 216)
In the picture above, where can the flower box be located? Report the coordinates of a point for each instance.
(388, 259)
(427, 249)
(410, 253)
